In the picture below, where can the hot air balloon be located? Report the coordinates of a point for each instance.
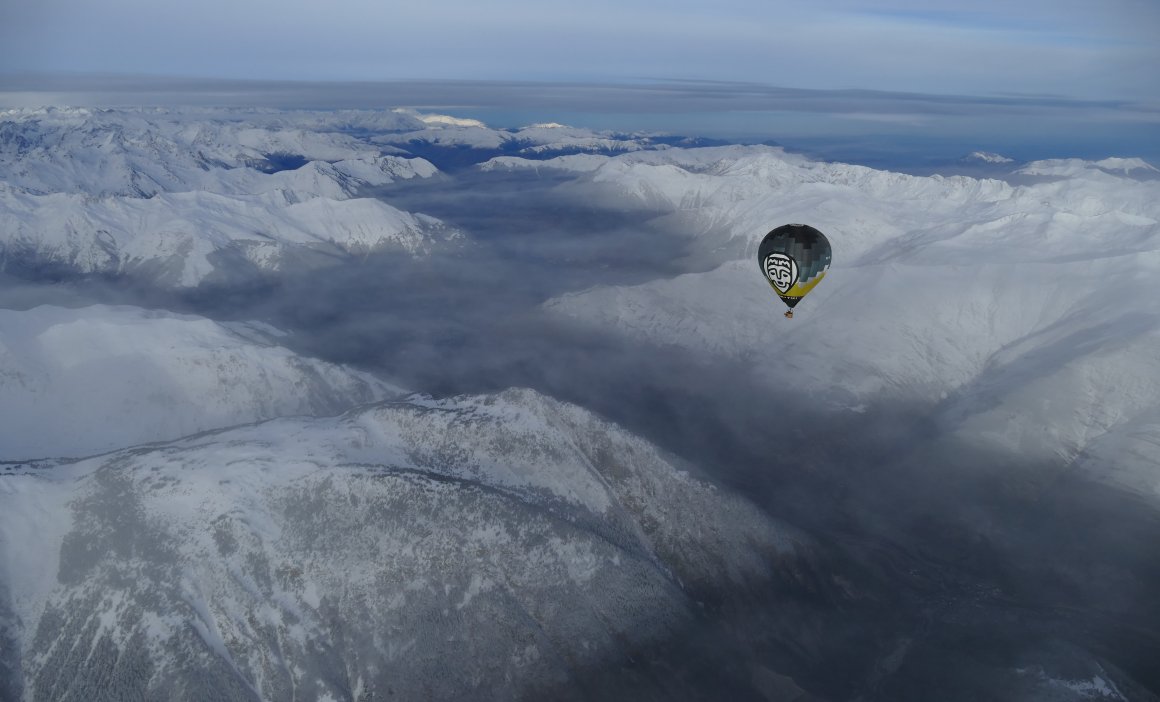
(794, 258)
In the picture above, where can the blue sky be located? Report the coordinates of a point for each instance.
(1085, 49)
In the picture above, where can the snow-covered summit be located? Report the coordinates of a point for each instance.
(1127, 165)
(449, 120)
(1076, 167)
(535, 139)
(988, 157)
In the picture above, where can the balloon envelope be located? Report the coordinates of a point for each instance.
(794, 258)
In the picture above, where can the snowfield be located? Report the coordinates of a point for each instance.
(510, 540)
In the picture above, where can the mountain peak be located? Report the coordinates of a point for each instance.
(448, 120)
(1125, 164)
(987, 157)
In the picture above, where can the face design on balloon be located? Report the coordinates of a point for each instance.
(781, 270)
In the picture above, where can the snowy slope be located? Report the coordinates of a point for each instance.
(183, 238)
(75, 382)
(728, 193)
(479, 547)
(173, 198)
(142, 152)
(1075, 167)
(1025, 317)
(117, 152)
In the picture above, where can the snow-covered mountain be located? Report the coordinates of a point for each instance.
(140, 153)
(513, 546)
(1025, 317)
(173, 199)
(1136, 168)
(75, 382)
(537, 139)
(185, 238)
(181, 197)
(728, 193)
(987, 157)
(472, 548)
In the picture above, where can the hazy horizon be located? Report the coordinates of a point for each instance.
(879, 128)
